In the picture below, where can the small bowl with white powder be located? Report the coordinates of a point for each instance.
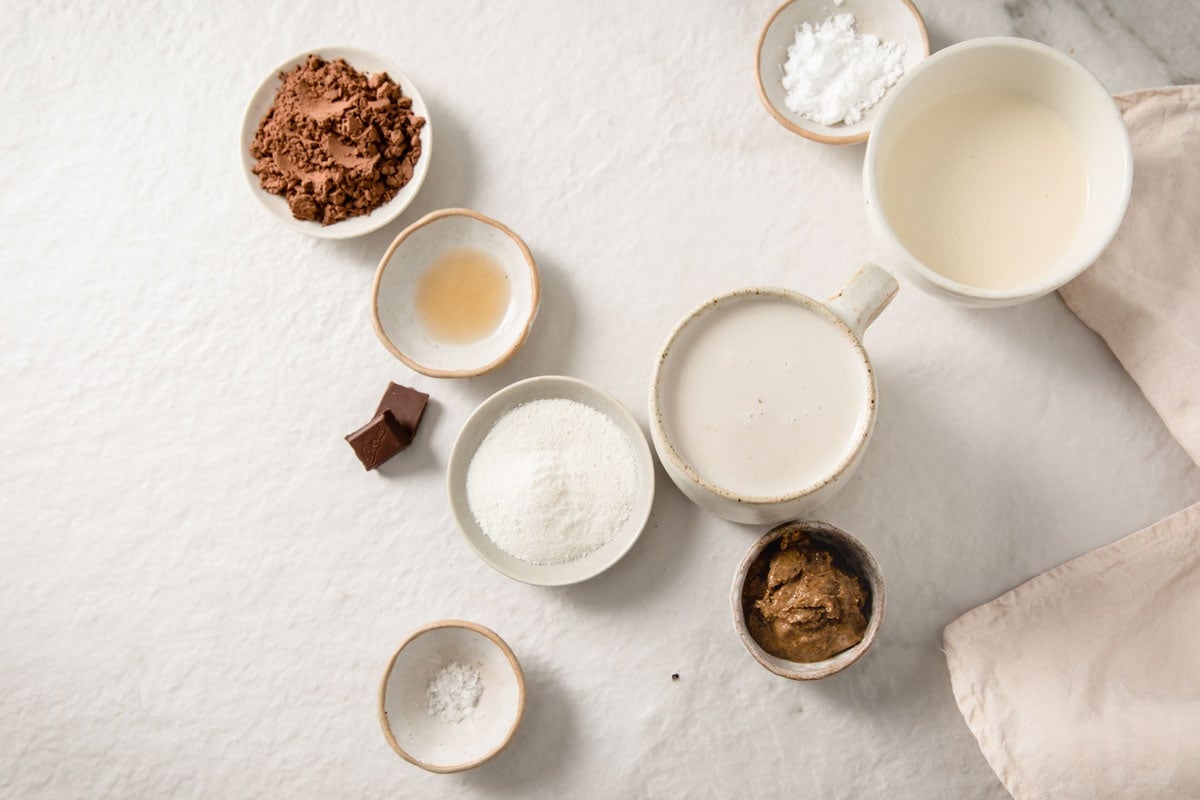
(551, 481)
(823, 66)
(452, 696)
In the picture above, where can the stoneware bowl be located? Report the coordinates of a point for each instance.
(891, 20)
(859, 559)
(425, 739)
(473, 433)
(397, 323)
(850, 311)
(1054, 79)
(363, 61)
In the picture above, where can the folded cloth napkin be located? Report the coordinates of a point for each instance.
(1085, 681)
(1143, 294)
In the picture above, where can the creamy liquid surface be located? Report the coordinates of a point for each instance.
(986, 187)
(762, 396)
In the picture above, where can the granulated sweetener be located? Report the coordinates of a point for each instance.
(454, 692)
(833, 74)
(552, 481)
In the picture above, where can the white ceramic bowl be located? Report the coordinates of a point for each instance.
(397, 323)
(1054, 79)
(363, 61)
(891, 20)
(860, 560)
(473, 433)
(425, 739)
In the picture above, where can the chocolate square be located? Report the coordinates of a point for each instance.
(406, 405)
(379, 440)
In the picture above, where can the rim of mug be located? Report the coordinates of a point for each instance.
(1060, 276)
(862, 430)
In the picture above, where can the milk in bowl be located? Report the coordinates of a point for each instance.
(997, 170)
(987, 187)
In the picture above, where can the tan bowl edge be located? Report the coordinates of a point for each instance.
(787, 123)
(387, 256)
(387, 673)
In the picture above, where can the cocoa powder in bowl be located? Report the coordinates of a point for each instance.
(336, 143)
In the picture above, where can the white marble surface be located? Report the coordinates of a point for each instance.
(200, 587)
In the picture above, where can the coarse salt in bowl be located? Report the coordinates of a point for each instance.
(476, 430)
(440, 742)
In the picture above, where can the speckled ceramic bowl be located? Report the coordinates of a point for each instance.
(428, 741)
(860, 560)
(849, 311)
(393, 296)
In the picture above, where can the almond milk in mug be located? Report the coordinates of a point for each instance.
(763, 399)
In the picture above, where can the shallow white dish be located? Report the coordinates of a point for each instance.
(397, 323)
(425, 739)
(363, 61)
(891, 20)
(473, 433)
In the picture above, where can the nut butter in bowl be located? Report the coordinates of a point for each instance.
(808, 600)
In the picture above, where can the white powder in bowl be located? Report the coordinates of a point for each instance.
(552, 481)
(833, 74)
(454, 692)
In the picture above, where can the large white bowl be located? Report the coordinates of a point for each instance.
(473, 433)
(363, 61)
(1050, 77)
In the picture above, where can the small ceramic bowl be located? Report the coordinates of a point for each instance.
(397, 323)
(425, 739)
(891, 20)
(472, 435)
(860, 560)
(363, 61)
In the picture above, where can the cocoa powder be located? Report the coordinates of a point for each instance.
(336, 143)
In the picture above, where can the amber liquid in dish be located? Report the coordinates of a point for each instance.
(462, 296)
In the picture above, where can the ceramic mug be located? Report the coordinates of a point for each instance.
(1048, 76)
(847, 315)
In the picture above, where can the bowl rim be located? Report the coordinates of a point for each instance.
(381, 706)
(949, 286)
(642, 452)
(792, 126)
(316, 229)
(534, 279)
(862, 432)
(810, 671)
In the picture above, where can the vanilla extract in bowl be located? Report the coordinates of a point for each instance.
(462, 296)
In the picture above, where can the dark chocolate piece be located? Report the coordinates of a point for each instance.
(406, 406)
(379, 440)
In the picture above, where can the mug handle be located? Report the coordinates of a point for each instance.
(864, 297)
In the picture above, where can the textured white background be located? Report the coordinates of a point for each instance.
(199, 586)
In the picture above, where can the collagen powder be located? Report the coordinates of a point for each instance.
(552, 481)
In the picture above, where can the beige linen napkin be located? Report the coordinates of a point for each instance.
(1143, 295)
(1085, 681)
